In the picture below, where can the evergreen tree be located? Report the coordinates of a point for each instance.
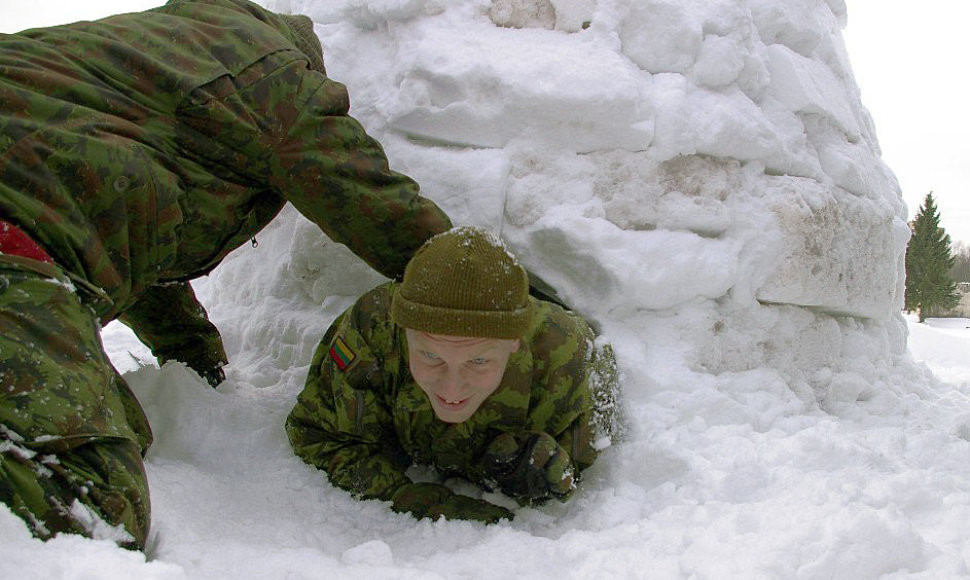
(929, 287)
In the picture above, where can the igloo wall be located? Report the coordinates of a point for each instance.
(699, 178)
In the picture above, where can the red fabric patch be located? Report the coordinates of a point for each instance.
(14, 242)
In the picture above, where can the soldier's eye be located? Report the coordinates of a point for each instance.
(480, 361)
(429, 355)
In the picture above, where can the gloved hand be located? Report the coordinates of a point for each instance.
(210, 370)
(169, 320)
(200, 356)
(531, 467)
(431, 500)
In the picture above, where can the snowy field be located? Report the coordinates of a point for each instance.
(873, 493)
(698, 178)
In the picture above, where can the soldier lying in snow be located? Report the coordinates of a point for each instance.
(457, 368)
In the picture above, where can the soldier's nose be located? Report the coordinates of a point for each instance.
(450, 387)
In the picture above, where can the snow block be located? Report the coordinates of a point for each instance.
(839, 251)
(728, 124)
(483, 93)
(800, 26)
(807, 86)
(719, 62)
(661, 36)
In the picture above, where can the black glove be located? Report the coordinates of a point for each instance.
(169, 320)
(211, 371)
(531, 467)
(432, 500)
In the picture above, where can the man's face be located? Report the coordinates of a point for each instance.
(457, 373)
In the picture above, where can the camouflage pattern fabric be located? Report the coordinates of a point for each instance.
(145, 147)
(71, 432)
(138, 151)
(96, 489)
(363, 419)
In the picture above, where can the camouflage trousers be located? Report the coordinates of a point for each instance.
(72, 434)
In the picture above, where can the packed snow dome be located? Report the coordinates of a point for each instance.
(700, 179)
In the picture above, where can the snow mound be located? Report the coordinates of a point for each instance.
(706, 163)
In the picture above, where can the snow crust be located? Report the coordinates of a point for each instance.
(699, 179)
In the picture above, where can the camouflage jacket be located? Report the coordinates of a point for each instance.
(363, 419)
(143, 148)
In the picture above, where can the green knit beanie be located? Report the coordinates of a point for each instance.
(464, 282)
(306, 39)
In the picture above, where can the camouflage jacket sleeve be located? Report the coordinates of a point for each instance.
(290, 130)
(563, 407)
(285, 127)
(340, 423)
(170, 321)
(345, 186)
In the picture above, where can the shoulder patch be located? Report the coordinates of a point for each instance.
(342, 354)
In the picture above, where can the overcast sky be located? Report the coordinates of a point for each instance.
(908, 58)
(910, 62)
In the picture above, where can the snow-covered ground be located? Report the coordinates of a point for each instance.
(697, 177)
(878, 491)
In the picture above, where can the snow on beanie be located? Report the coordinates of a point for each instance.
(464, 282)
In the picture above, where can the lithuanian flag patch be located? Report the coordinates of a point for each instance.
(342, 354)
